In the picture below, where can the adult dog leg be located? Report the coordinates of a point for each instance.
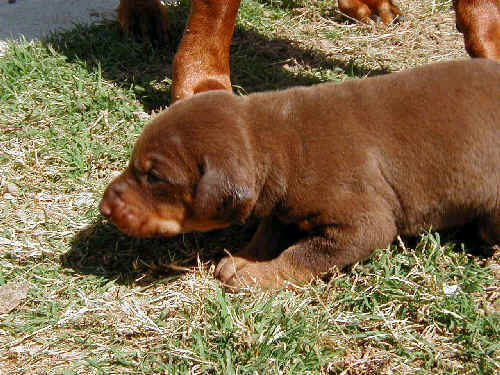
(363, 10)
(144, 18)
(479, 21)
(202, 59)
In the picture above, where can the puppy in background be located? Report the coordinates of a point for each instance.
(334, 171)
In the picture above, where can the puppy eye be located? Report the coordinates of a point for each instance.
(154, 177)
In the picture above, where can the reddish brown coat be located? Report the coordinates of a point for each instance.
(334, 170)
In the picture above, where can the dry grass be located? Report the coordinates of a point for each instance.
(427, 35)
(102, 303)
(305, 39)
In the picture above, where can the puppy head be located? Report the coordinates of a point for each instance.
(191, 170)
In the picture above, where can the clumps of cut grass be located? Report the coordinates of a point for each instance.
(427, 34)
(70, 115)
(425, 304)
(100, 302)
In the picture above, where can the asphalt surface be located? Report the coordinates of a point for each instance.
(33, 19)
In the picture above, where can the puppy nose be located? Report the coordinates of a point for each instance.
(104, 208)
(109, 201)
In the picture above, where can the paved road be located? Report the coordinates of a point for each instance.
(35, 18)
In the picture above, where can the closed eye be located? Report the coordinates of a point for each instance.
(154, 177)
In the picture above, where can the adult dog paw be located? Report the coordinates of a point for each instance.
(146, 19)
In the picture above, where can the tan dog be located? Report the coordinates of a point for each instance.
(334, 170)
(202, 59)
(479, 21)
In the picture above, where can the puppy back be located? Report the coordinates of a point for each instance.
(427, 140)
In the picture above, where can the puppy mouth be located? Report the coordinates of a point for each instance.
(168, 227)
(135, 219)
(143, 226)
(146, 226)
(163, 228)
(126, 210)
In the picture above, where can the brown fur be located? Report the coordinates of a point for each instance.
(147, 18)
(333, 170)
(479, 21)
(202, 59)
(364, 10)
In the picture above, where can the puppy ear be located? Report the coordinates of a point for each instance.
(225, 193)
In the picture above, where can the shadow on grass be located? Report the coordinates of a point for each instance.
(257, 62)
(103, 250)
(461, 238)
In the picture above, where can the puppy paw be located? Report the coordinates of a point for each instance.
(237, 273)
(227, 270)
(146, 19)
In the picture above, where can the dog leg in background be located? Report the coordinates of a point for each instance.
(347, 242)
(479, 21)
(144, 18)
(363, 10)
(202, 59)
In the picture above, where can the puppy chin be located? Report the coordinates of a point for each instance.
(168, 228)
(152, 227)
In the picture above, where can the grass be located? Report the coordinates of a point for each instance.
(103, 303)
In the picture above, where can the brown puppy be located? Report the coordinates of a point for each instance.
(334, 170)
(479, 21)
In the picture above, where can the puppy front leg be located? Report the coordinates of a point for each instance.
(298, 264)
(312, 256)
(272, 237)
